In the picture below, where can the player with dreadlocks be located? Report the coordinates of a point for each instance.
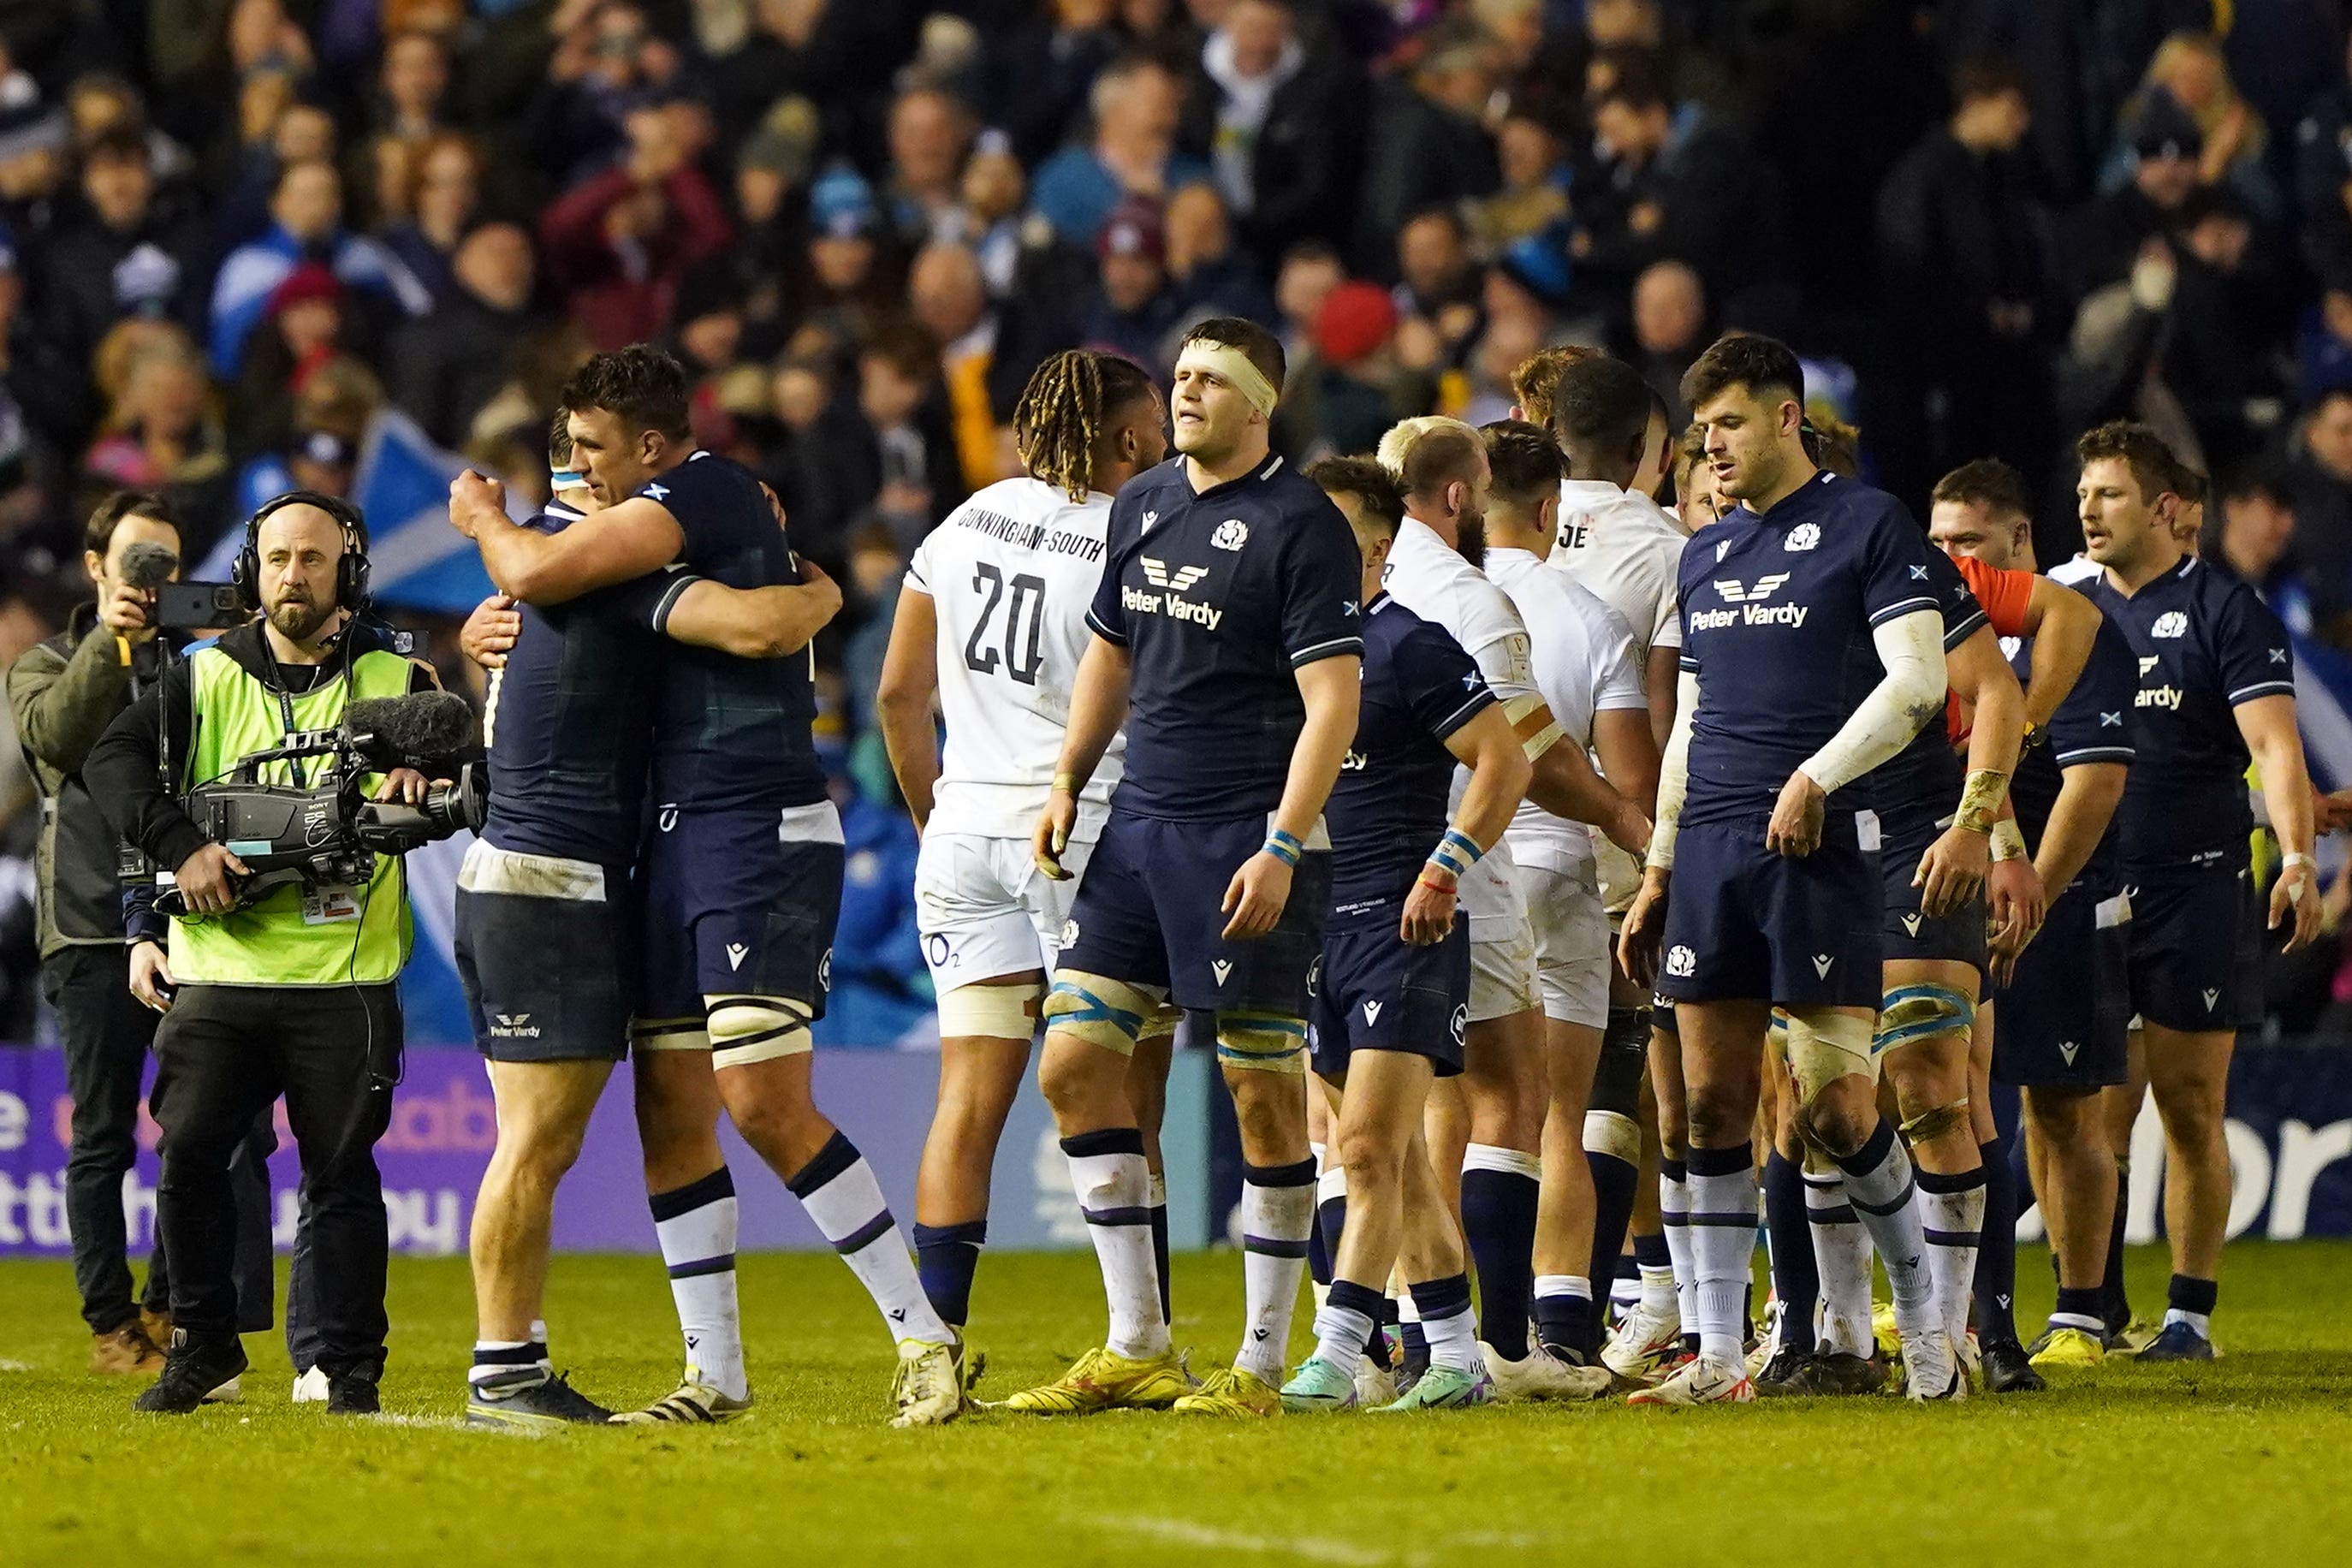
(991, 621)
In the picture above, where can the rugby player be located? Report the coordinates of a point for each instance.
(991, 622)
(2063, 1007)
(1812, 589)
(1440, 465)
(740, 874)
(2216, 689)
(1587, 667)
(1228, 635)
(1396, 966)
(1616, 542)
(543, 926)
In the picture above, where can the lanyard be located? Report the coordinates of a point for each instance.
(285, 707)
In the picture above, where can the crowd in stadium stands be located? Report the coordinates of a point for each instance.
(235, 230)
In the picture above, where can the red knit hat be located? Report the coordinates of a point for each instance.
(310, 281)
(1353, 322)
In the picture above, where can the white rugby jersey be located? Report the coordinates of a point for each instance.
(1583, 664)
(1429, 577)
(1010, 574)
(1622, 547)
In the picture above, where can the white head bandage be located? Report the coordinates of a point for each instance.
(1232, 367)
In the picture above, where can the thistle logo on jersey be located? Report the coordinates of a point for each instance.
(2171, 623)
(1069, 933)
(1156, 573)
(1804, 536)
(1231, 534)
(1681, 961)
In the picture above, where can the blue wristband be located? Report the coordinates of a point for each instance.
(1284, 846)
(1457, 852)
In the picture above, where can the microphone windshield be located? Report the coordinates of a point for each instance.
(147, 565)
(429, 724)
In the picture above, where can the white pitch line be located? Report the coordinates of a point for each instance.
(1315, 1548)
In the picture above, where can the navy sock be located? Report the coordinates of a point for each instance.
(946, 1257)
(1159, 1261)
(1319, 1258)
(1331, 1222)
(2114, 1308)
(1613, 1183)
(2082, 1303)
(2188, 1293)
(1996, 1281)
(1796, 1275)
(1416, 1348)
(1499, 1219)
(1561, 1323)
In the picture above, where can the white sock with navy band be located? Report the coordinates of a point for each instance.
(1277, 1216)
(697, 1225)
(1951, 1218)
(838, 1190)
(1841, 1253)
(1674, 1222)
(1878, 1183)
(1723, 1245)
(1114, 1186)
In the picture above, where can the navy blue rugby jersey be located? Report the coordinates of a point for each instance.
(1389, 807)
(2204, 645)
(570, 720)
(1777, 616)
(2093, 725)
(1923, 780)
(1218, 599)
(731, 731)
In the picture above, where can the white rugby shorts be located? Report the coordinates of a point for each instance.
(1502, 972)
(1571, 933)
(984, 909)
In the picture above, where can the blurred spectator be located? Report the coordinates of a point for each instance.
(306, 225)
(163, 429)
(1669, 331)
(988, 212)
(411, 82)
(1350, 388)
(275, 134)
(440, 199)
(1041, 74)
(2320, 476)
(2189, 68)
(989, 349)
(1428, 147)
(811, 458)
(1132, 311)
(1133, 153)
(1266, 115)
(122, 255)
(617, 244)
(910, 473)
(2323, 339)
(1693, 191)
(1309, 272)
(929, 134)
(1208, 274)
(846, 288)
(605, 63)
(1534, 193)
(445, 366)
(2251, 538)
(2101, 242)
(322, 450)
(1963, 266)
(1438, 288)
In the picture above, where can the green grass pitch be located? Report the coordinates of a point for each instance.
(2249, 1460)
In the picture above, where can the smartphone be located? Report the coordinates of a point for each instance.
(199, 607)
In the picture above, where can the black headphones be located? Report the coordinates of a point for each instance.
(350, 568)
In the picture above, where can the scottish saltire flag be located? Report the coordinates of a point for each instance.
(401, 485)
(2322, 710)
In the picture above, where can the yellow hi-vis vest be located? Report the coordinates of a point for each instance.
(291, 936)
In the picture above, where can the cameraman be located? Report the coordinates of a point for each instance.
(292, 993)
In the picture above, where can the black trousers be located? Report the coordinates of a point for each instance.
(225, 1052)
(107, 1032)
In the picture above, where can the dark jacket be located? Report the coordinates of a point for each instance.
(1303, 169)
(444, 367)
(123, 768)
(64, 693)
(1421, 154)
(94, 275)
(1958, 231)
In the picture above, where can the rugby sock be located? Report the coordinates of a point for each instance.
(1614, 1181)
(1277, 1216)
(1996, 1282)
(1722, 1222)
(1564, 1316)
(1951, 1218)
(1674, 1217)
(1324, 1245)
(2114, 1304)
(1625, 1286)
(1412, 1335)
(1156, 1192)
(695, 1223)
(2077, 1309)
(838, 1190)
(510, 1363)
(2191, 1300)
(946, 1257)
(1345, 1321)
(1444, 1307)
(1878, 1183)
(1842, 1264)
(1656, 1267)
(1500, 1190)
(1796, 1281)
(1114, 1189)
